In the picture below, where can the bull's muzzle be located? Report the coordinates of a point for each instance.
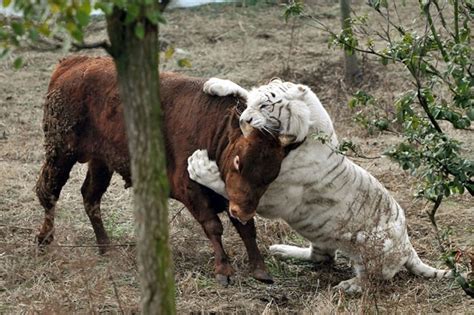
(237, 213)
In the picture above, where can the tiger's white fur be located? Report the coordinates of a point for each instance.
(323, 195)
(277, 103)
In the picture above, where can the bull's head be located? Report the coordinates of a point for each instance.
(251, 165)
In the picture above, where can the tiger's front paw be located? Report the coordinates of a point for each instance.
(220, 87)
(206, 172)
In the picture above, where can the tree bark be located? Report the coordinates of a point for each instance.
(136, 62)
(351, 66)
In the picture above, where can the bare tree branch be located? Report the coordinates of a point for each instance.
(81, 46)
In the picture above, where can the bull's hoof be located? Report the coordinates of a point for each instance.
(44, 240)
(103, 246)
(263, 276)
(223, 280)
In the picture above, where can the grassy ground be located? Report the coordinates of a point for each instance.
(248, 45)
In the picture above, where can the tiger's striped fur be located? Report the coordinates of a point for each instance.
(323, 195)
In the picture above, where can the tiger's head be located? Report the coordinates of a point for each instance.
(284, 108)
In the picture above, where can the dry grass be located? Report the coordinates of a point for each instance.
(248, 45)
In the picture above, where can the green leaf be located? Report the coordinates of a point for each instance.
(294, 9)
(382, 124)
(82, 17)
(184, 63)
(352, 103)
(106, 7)
(44, 29)
(77, 35)
(169, 53)
(462, 123)
(6, 3)
(470, 113)
(18, 28)
(133, 11)
(33, 33)
(155, 17)
(140, 30)
(120, 3)
(4, 52)
(86, 7)
(18, 63)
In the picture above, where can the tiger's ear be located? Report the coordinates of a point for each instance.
(275, 80)
(303, 89)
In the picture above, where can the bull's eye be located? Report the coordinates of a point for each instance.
(236, 162)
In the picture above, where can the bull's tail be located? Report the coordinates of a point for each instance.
(416, 266)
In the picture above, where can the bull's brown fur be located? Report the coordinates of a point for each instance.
(83, 122)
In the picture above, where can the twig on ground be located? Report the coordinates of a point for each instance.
(176, 214)
(114, 286)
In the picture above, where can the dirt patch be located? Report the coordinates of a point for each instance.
(248, 45)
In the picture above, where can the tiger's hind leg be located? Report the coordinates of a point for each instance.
(94, 186)
(353, 285)
(54, 174)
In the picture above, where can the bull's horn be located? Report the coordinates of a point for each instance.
(287, 139)
(246, 128)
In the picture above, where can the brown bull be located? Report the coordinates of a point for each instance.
(83, 122)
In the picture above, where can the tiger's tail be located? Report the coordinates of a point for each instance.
(419, 268)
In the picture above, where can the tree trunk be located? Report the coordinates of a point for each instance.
(136, 62)
(351, 67)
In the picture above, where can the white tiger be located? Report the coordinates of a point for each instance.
(320, 193)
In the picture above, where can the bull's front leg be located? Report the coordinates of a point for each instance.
(248, 234)
(205, 171)
(220, 87)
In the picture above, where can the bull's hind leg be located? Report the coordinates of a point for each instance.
(94, 186)
(214, 230)
(54, 174)
(249, 235)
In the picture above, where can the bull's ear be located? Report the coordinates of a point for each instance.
(237, 162)
(286, 140)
